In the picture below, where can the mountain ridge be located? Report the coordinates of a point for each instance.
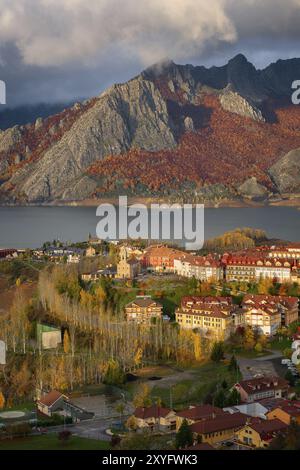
(169, 131)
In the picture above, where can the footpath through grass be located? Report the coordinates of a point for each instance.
(51, 442)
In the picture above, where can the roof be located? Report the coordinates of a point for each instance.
(50, 398)
(199, 260)
(162, 251)
(243, 260)
(261, 384)
(220, 423)
(268, 426)
(153, 411)
(218, 307)
(200, 412)
(290, 409)
(272, 403)
(270, 300)
(143, 302)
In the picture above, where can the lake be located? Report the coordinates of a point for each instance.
(30, 227)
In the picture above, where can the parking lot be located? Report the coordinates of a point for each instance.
(266, 365)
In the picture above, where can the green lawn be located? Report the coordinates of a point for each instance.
(25, 406)
(51, 442)
(281, 344)
(203, 380)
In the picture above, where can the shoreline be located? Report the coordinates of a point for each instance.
(147, 201)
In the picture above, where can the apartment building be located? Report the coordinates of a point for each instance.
(160, 258)
(204, 268)
(250, 268)
(212, 315)
(267, 313)
(143, 309)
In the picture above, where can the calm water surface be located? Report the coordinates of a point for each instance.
(29, 227)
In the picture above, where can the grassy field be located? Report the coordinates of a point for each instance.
(203, 381)
(280, 345)
(51, 442)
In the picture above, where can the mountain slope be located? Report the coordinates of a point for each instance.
(211, 133)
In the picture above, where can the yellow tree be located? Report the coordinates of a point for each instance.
(66, 342)
(2, 400)
(131, 423)
(142, 398)
(138, 357)
(100, 294)
(249, 338)
(197, 347)
(264, 286)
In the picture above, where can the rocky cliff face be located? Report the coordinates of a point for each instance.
(286, 172)
(129, 115)
(181, 125)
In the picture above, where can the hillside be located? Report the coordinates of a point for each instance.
(173, 131)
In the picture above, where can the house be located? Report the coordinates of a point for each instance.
(287, 413)
(128, 267)
(73, 258)
(51, 402)
(218, 429)
(260, 433)
(94, 276)
(204, 268)
(90, 251)
(261, 314)
(252, 390)
(155, 418)
(212, 315)
(8, 253)
(143, 309)
(194, 414)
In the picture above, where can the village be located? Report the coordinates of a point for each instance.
(138, 344)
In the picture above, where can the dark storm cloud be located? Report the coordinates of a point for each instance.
(53, 50)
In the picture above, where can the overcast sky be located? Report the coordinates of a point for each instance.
(54, 50)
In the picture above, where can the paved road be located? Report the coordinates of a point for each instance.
(92, 428)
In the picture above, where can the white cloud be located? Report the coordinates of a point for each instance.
(53, 32)
(70, 48)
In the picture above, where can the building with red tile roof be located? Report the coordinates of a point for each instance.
(258, 388)
(267, 313)
(51, 402)
(249, 267)
(211, 315)
(142, 309)
(197, 413)
(161, 258)
(154, 418)
(220, 428)
(259, 434)
(203, 268)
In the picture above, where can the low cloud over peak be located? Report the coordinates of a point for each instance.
(112, 39)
